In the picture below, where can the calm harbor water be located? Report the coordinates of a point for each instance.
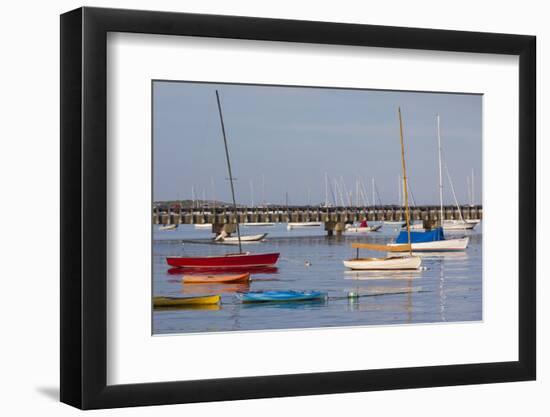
(449, 289)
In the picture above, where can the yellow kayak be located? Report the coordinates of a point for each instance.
(186, 301)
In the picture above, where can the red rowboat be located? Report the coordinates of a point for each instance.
(228, 261)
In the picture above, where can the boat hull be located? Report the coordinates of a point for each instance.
(451, 225)
(224, 262)
(216, 279)
(185, 301)
(303, 225)
(377, 264)
(446, 245)
(232, 270)
(363, 229)
(244, 239)
(459, 225)
(281, 296)
(168, 227)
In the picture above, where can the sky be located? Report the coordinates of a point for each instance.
(284, 141)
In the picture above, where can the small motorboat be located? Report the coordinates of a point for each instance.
(302, 225)
(168, 227)
(216, 279)
(227, 261)
(244, 239)
(450, 225)
(359, 229)
(280, 296)
(160, 302)
(395, 223)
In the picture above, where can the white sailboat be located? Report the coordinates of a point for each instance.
(358, 229)
(391, 262)
(168, 227)
(464, 224)
(439, 244)
(223, 237)
(451, 225)
(303, 225)
(203, 226)
(258, 224)
(448, 225)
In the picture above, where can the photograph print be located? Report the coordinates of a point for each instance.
(297, 207)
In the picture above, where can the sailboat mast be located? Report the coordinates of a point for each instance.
(440, 174)
(473, 192)
(373, 197)
(263, 190)
(399, 190)
(405, 194)
(213, 192)
(469, 190)
(326, 189)
(229, 170)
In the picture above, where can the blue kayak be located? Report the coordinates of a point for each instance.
(264, 296)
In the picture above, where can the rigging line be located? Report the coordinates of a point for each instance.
(454, 194)
(364, 192)
(378, 194)
(411, 193)
(331, 191)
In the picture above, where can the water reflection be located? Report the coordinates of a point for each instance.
(458, 255)
(289, 305)
(207, 271)
(378, 275)
(448, 290)
(193, 307)
(199, 289)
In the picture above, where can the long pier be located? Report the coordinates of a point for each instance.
(334, 218)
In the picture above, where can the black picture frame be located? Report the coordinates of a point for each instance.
(84, 207)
